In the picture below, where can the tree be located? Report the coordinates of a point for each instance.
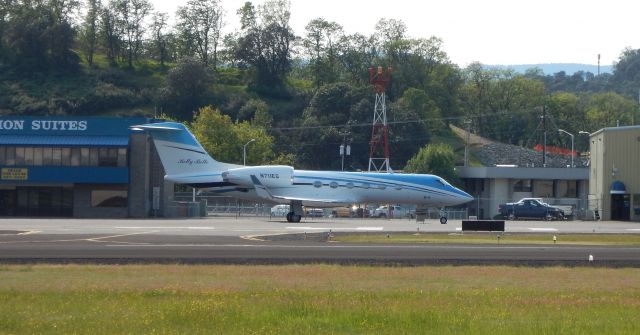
(5, 7)
(252, 107)
(89, 30)
(320, 44)
(391, 36)
(626, 72)
(200, 22)
(356, 54)
(131, 16)
(224, 140)
(159, 41)
(609, 110)
(39, 35)
(185, 86)
(265, 44)
(502, 105)
(110, 32)
(438, 159)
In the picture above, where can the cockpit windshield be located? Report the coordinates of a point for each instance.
(442, 182)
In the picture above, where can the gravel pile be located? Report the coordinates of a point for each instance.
(506, 154)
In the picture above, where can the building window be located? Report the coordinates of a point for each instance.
(10, 158)
(93, 157)
(47, 156)
(3, 151)
(75, 157)
(28, 156)
(84, 157)
(66, 156)
(122, 157)
(20, 156)
(567, 188)
(56, 157)
(37, 156)
(522, 185)
(543, 188)
(109, 198)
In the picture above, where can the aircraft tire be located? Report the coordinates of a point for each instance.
(443, 220)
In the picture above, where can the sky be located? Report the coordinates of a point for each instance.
(492, 32)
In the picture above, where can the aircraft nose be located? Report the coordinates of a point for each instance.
(463, 196)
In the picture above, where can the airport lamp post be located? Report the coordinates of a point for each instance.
(244, 151)
(570, 134)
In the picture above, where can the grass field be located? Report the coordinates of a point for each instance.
(311, 299)
(494, 238)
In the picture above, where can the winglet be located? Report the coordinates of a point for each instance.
(261, 190)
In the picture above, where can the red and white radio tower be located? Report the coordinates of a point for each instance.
(379, 144)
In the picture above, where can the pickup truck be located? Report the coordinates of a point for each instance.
(398, 212)
(531, 208)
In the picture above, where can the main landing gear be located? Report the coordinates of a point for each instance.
(295, 215)
(443, 216)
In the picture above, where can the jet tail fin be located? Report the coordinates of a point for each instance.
(181, 154)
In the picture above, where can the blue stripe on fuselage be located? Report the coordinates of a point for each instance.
(424, 183)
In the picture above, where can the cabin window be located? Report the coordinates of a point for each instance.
(349, 185)
(398, 187)
(317, 184)
(522, 185)
(365, 185)
(333, 184)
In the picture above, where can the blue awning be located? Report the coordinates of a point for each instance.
(617, 187)
(67, 141)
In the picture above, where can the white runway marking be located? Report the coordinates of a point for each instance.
(543, 229)
(633, 229)
(191, 228)
(338, 229)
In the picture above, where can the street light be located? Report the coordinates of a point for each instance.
(570, 134)
(244, 151)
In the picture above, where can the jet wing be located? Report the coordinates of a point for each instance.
(264, 192)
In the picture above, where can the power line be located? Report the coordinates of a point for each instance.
(451, 118)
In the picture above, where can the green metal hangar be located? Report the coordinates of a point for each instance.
(614, 173)
(77, 167)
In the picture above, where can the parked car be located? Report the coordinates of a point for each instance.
(398, 212)
(279, 210)
(531, 208)
(314, 212)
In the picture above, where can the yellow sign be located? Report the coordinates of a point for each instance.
(15, 174)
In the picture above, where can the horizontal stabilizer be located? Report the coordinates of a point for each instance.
(191, 179)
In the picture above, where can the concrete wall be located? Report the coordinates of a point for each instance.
(499, 190)
(139, 192)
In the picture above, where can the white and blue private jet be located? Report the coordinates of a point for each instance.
(186, 162)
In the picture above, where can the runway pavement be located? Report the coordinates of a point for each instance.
(242, 241)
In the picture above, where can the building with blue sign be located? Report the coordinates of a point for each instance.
(77, 167)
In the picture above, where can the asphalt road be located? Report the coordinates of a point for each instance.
(229, 240)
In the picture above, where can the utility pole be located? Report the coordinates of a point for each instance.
(544, 130)
(345, 148)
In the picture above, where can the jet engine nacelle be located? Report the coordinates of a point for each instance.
(269, 176)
